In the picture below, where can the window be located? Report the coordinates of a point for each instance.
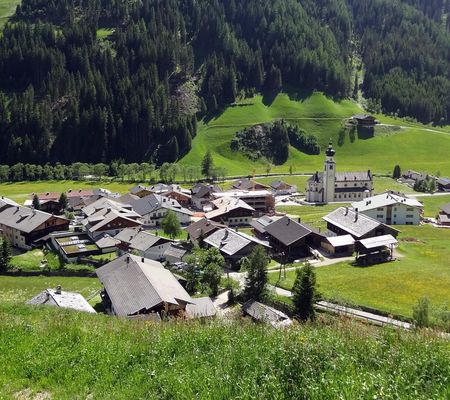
(380, 209)
(410, 209)
(379, 215)
(409, 216)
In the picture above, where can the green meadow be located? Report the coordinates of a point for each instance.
(432, 204)
(422, 269)
(54, 353)
(415, 147)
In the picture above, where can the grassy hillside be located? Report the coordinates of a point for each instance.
(416, 147)
(66, 355)
(7, 8)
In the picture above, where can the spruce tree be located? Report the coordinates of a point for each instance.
(207, 164)
(304, 292)
(397, 173)
(36, 202)
(256, 280)
(63, 203)
(5, 255)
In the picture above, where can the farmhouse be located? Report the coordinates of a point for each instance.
(280, 188)
(202, 195)
(247, 184)
(183, 198)
(364, 119)
(135, 285)
(290, 238)
(231, 211)
(444, 215)
(233, 245)
(144, 243)
(344, 221)
(391, 209)
(261, 201)
(202, 228)
(60, 298)
(153, 208)
(443, 184)
(22, 226)
(331, 186)
(259, 225)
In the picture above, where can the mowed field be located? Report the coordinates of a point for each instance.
(422, 270)
(415, 147)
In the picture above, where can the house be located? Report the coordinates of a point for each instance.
(233, 245)
(331, 186)
(444, 215)
(175, 253)
(262, 201)
(154, 207)
(70, 245)
(183, 198)
(144, 243)
(110, 221)
(202, 228)
(259, 225)
(247, 184)
(104, 203)
(231, 211)
(262, 313)
(343, 245)
(291, 239)
(345, 221)
(201, 307)
(364, 120)
(280, 188)
(202, 195)
(136, 285)
(391, 209)
(443, 184)
(375, 250)
(107, 244)
(63, 299)
(22, 226)
(410, 177)
(140, 191)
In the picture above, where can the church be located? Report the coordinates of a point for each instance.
(331, 186)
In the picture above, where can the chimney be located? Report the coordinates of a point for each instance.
(142, 259)
(128, 260)
(58, 289)
(288, 221)
(346, 211)
(356, 214)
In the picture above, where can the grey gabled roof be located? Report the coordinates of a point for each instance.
(262, 312)
(378, 241)
(202, 227)
(200, 190)
(202, 307)
(175, 251)
(138, 189)
(137, 285)
(445, 208)
(139, 240)
(24, 219)
(356, 224)
(287, 231)
(353, 176)
(231, 242)
(154, 202)
(63, 299)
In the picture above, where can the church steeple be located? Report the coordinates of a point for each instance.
(330, 151)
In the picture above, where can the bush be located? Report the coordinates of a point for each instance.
(420, 312)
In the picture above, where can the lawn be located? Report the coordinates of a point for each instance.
(19, 289)
(318, 115)
(432, 204)
(183, 235)
(393, 287)
(21, 191)
(7, 8)
(31, 261)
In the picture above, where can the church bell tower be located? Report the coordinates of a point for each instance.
(329, 174)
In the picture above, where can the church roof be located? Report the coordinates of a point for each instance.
(353, 176)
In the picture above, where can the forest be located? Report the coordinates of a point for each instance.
(69, 94)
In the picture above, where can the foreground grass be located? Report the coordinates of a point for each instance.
(321, 116)
(393, 287)
(72, 355)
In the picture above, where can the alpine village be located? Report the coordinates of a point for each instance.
(224, 199)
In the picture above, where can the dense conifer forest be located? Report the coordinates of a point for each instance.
(96, 81)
